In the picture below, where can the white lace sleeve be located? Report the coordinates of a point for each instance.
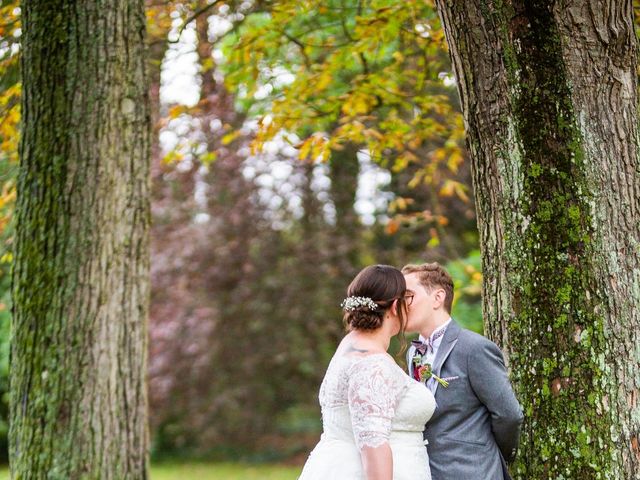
(375, 385)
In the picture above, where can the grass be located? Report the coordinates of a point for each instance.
(223, 471)
(213, 471)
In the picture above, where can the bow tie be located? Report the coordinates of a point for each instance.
(422, 347)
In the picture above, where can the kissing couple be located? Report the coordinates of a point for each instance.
(450, 415)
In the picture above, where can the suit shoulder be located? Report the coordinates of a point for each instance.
(472, 337)
(475, 341)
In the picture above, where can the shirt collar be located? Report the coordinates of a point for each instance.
(441, 327)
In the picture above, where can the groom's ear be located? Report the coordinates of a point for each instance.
(440, 297)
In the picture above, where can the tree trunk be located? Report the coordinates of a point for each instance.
(549, 97)
(344, 170)
(80, 284)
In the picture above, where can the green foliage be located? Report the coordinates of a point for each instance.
(368, 73)
(467, 280)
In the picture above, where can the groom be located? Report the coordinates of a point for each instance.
(475, 429)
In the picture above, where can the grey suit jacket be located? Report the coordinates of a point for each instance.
(475, 428)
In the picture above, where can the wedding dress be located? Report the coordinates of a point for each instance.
(366, 401)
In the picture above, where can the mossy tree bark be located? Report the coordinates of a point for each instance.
(549, 98)
(80, 284)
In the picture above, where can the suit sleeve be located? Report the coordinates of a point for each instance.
(489, 380)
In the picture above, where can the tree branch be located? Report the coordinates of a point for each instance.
(194, 16)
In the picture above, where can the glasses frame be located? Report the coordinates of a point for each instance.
(408, 298)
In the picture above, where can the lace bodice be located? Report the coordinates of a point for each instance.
(369, 400)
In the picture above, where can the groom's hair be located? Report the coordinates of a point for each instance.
(431, 276)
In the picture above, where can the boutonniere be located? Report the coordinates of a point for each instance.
(423, 372)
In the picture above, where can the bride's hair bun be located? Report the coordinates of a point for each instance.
(364, 318)
(370, 295)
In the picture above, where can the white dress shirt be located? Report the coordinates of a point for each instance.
(429, 357)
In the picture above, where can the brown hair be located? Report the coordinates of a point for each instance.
(383, 284)
(432, 276)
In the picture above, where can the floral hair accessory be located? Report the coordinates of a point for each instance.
(351, 303)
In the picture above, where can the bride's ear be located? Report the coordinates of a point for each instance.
(395, 307)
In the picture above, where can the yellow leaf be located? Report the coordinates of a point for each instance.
(373, 133)
(176, 111)
(207, 65)
(418, 178)
(398, 56)
(455, 160)
(230, 137)
(320, 146)
(447, 189)
(208, 158)
(323, 82)
(305, 148)
(400, 204)
(415, 143)
(439, 154)
(434, 241)
(173, 157)
(461, 192)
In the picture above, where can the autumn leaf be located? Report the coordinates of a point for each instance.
(230, 137)
(392, 227)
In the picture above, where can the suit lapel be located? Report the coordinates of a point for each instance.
(448, 342)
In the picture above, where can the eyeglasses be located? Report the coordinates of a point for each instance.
(408, 298)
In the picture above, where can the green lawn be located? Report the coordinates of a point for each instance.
(213, 471)
(224, 471)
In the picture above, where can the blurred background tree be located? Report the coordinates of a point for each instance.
(294, 142)
(324, 136)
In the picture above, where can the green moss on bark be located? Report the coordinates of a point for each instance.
(79, 284)
(557, 365)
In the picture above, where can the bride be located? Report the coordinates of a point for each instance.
(373, 413)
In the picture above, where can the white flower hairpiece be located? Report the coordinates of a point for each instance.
(351, 303)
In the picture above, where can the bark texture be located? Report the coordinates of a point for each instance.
(549, 96)
(80, 284)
